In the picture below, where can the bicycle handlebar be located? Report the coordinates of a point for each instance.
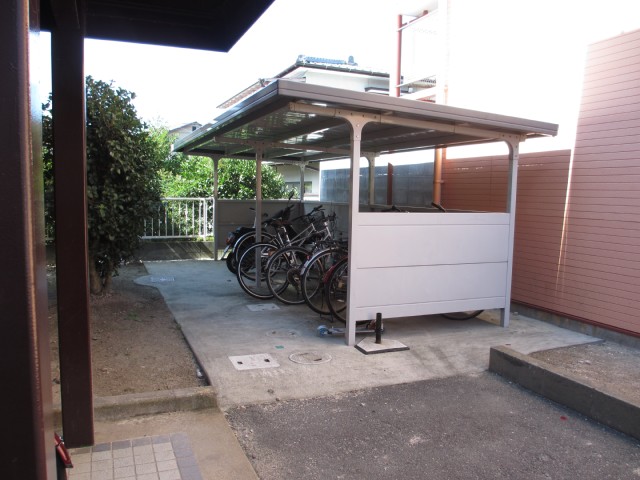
(281, 214)
(438, 206)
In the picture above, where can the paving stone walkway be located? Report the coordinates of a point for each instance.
(159, 457)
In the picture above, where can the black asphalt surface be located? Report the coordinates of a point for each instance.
(465, 427)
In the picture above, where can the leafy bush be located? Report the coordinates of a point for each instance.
(123, 183)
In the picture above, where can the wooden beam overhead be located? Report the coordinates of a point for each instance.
(66, 13)
(209, 25)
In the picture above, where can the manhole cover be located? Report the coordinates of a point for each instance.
(282, 333)
(250, 362)
(261, 307)
(161, 279)
(309, 358)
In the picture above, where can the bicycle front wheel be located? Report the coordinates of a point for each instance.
(312, 279)
(462, 315)
(283, 274)
(244, 242)
(232, 263)
(251, 270)
(336, 284)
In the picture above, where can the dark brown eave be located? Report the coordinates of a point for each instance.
(205, 25)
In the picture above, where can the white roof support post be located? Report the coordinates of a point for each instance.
(302, 165)
(216, 160)
(258, 221)
(514, 154)
(259, 158)
(357, 124)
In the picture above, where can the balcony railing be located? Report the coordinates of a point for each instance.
(181, 217)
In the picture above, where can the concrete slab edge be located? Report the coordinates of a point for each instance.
(119, 407)
(546, 380)
(576, 326)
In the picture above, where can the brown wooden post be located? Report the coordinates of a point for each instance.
(26, 451)
(67, 65)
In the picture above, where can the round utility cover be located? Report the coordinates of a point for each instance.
(309, 358)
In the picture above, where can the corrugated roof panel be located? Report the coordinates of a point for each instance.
(302, 121)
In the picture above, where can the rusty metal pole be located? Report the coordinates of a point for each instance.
(70, 173)
(394, 88)
(389, 184)
(372, 179)
(437, 175)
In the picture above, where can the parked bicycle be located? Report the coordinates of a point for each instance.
(313, 273)
(242, 237)
(336, 282)
(284, 268)
(251, 268)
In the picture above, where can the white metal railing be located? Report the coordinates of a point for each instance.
(181, 217)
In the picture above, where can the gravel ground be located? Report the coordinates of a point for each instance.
(136, 344)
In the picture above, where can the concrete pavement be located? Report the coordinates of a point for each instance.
(220, 321)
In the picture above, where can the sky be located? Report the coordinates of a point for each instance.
(175, 86)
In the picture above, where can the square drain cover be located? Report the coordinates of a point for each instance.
(251, 362)
(261, 307)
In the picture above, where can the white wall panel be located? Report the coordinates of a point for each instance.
(425, 263)
(432, 245)
(425, 284)
(430, 308)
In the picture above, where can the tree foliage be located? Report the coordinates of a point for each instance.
(47, 167)
(237, 180)
(123, 185)
(182, 175)
(192, 176)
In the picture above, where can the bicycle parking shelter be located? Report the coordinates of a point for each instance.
(453, 261)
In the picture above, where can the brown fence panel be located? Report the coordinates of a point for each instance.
(481, 184)
(577, 244)
(600, 254)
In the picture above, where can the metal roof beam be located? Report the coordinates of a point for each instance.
(308, 129)
(254, 144)
(405, 122)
